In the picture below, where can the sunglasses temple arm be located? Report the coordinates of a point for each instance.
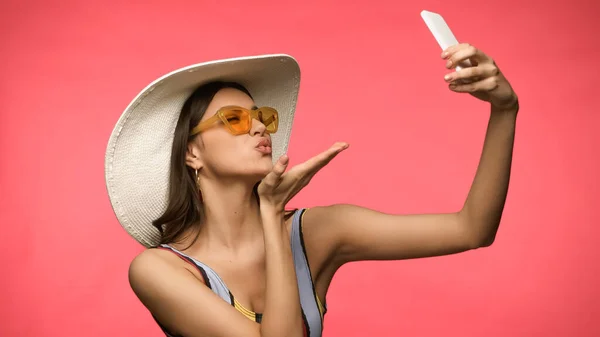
(203, 125)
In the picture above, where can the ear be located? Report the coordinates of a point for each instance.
(193, 157)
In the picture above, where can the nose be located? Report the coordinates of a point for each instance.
(258, 128)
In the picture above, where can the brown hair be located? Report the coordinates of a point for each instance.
(184, 208)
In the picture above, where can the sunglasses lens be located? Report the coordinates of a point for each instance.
(237, 119)
(268, 116)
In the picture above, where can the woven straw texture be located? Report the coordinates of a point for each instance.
(139, 148)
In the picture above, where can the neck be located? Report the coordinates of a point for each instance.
(231, 214)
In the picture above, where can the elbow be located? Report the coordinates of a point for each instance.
(487, 241)
(481, 233)
(482, 241)
(477, 243)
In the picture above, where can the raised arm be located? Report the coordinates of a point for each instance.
(353, 233)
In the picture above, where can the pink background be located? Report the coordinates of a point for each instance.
(372, 76)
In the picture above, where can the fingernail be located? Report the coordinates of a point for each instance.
(444, 54)
(449, 64)
(447, 77)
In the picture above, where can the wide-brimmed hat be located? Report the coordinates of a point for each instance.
(138, 155)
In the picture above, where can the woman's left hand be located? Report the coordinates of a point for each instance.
(482, 79)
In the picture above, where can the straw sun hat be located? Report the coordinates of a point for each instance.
(139, 148)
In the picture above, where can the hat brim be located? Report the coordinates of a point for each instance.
(137, 161)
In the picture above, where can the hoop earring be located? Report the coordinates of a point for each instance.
(198, 184)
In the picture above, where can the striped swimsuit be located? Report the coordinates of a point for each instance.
(313, 310)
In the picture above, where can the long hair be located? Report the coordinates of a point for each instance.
(184, 209)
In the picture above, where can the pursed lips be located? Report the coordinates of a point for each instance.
(264, 146)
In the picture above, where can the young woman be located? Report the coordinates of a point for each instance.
(196, 171)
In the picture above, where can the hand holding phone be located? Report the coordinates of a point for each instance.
(442, 33)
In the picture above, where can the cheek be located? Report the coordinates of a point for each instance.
(219, 149)
(228, 154)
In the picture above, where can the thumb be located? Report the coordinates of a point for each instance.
(278, 169)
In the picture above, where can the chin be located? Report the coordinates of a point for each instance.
(257, 169)
(264, 167)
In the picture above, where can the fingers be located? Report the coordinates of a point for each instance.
(281, 165)
(463, 52)
(486, 84)
(472, 74)
(274, 177)
(310, 167)
(326, 156)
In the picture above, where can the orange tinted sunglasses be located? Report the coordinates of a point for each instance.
(238, 120)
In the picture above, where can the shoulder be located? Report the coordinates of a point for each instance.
(154, 267)
(329, 229)
(148, 267)
(147, 262)
(325, 214)
(320, 231)
(179, 300)
(324, 219)
(316, 215)
(309, 217)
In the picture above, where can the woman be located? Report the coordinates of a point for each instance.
(196, 172)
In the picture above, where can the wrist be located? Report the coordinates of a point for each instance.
(273, 222)
(270, 210)
(507, 109)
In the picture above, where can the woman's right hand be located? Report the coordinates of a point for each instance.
(279, 187)
(282, 315)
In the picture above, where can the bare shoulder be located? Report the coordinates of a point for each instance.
(151, 270)
(319, 238)
(310, 220)
(149, 257)
(319, 226)
(144, 258)
(321, 218)
(180, 301)
(145, 266)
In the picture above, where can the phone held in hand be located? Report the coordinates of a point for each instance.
(442, 33)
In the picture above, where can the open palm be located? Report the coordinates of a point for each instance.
(279, 187)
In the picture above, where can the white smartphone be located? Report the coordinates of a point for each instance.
(442, 33)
